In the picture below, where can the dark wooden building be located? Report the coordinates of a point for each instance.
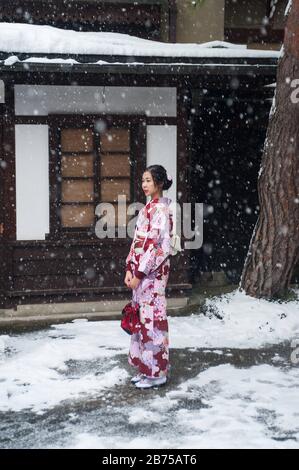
(148, 19)
(78, 128)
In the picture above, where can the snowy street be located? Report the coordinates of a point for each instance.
(234, 383)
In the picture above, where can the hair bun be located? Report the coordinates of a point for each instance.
(160, 176)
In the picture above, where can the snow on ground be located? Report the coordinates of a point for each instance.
(33, 366)
(239, 321)
(256, 407)
(224, 403)
(32, 369)
(234, 398)
(18, 37)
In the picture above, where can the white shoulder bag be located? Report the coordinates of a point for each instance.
(175, 244)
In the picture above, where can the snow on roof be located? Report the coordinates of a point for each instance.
(27, 38)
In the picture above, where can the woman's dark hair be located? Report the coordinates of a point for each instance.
(159, 175)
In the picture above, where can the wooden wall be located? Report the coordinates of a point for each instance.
(76, 266)
(76, 271)
(143, 20)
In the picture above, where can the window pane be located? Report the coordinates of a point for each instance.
(77, 216)
(76, 140)
(115, 165)
(110, 189)
(77, 191)
(115, 139)
(77, 165)
(123, 217)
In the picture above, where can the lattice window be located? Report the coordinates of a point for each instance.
(77, 177)
(94, 168)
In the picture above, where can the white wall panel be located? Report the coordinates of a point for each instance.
(32, 181)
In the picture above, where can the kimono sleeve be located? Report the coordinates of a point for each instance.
(157, 246)
(129, 257)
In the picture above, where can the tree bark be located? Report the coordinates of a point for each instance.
(274, 247)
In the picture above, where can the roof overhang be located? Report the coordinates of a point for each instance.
(37, 48)
(141, 65)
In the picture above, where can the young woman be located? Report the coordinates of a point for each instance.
(147, 272)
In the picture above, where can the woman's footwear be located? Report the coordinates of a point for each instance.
(149, 383)
(137, 378)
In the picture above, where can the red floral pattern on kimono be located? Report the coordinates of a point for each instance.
(149, 260)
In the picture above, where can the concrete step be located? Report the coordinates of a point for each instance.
(31, 315)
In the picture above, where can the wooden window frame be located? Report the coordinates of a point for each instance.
(137, 126)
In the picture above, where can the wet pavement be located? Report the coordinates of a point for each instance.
(108, 418)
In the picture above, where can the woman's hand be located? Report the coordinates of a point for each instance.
(128, 278)
(134, 283)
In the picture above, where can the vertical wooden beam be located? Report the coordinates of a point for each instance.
(183, 143)
(8, 190)
(9, 157)
(54, 130)
(2, 164)
(184, 158)
(2, 245)
(172, 20)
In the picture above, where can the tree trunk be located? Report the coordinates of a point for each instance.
(274, 246)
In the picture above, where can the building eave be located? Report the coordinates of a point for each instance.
(138, 65)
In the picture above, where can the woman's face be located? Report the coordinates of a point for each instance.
(148, 185)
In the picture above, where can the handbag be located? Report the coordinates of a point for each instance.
(130, 321)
